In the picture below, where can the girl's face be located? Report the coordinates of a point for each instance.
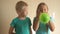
(24, 12)
(43, 8)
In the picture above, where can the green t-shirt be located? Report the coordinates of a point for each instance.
(21, 26)
(43, 29)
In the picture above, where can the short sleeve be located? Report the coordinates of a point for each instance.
(30, 22)
(52, 19)
(12, 24)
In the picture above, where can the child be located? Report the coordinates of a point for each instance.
(21, 23)
(37, 25)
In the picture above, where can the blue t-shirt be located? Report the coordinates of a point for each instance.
(43, 29)
(21, 26)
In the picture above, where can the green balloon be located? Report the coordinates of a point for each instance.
(44, 18)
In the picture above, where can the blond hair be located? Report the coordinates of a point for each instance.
(20, 5)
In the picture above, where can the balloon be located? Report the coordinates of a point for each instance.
(44, 18)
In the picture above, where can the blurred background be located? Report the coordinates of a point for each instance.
(8, 12)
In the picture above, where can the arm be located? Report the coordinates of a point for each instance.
(11, 30)
(36, 24)
(30, 30)
(51, 25)
(36, 21)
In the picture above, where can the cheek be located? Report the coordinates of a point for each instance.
(18, 13)
(46, 10)
(26, 13)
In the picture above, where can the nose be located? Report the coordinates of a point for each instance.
(43, 10)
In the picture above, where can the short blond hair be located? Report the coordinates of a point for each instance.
(20, 5)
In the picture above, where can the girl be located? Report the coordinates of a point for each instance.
(37, 25)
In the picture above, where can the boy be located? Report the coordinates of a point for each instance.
(37, 25)
(21, 23)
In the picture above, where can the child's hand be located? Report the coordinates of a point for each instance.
(51, 25)
(38, 15)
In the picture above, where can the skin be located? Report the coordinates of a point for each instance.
(42, 9)
(21, 15)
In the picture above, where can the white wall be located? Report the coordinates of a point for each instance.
(7, 12)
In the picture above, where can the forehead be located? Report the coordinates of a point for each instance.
(43, 6)
(24, 7)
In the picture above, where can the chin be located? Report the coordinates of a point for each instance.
(24, 15)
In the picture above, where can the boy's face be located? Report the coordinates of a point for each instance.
(24, 12)
(44, 8)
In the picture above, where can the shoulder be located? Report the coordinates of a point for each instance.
(15, 19)
(52, 19)
(28, 18)
(34, 18)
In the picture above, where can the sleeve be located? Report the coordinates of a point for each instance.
(30, 22)
(52, 19)
(12, 24)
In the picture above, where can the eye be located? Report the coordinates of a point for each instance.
(41, 9)
(44, 9)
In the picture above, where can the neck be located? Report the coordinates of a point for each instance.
(21, 17)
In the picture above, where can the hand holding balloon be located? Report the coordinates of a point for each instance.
(44, 18)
